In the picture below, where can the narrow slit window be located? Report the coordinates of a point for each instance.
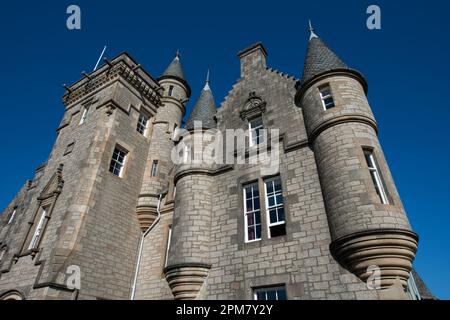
(252, 213)
(154, 168)
(170, 91)
(256, 131)
(11, 217)
(275, 208)
(2, 254)
(375, 175)
(118, 162)
(37, 235)
(327, 98)
(84, 114)
(270, 293)
(142, 124)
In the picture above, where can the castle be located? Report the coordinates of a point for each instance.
(111, 216)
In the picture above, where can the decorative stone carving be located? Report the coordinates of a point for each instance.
(254, 106)
(118, 69)
(54, 186)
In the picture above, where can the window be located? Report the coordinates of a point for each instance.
(84, 114)
(38, 231)
(275, 207)
(2, 254)
(11, 217)
(252, 213)
(187, 154)
(169, 235)
(270, 293)
(327, 98)
(142, 124)
(69, 148)
(118, 162)
(170, 91)
(376, 178)
(256, 129)
(154, 168)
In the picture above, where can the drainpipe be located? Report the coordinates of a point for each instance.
(141, 244)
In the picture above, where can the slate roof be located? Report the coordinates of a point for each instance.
(425, 293)
(204, 110)
(174, 69)
(319, 59)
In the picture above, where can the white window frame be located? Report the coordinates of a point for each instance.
(275, 206)
(267, 289)
(117, 162)
(375, 174)
(169, 236)
(11, 218)
(252, 185)
(142, 124)
(324, 97)
(187, 158)
(154, 170)
(252, 130)
(84, 115)
(37, 234)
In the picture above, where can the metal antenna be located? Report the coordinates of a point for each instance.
(100, 58)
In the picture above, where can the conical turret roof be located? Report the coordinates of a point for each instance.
(204, 109)
(174, 69)
(319, 58)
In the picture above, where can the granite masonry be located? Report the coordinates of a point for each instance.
(111, 216)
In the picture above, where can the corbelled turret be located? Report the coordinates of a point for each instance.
(176, 92)
(188, 260)
(368, 225)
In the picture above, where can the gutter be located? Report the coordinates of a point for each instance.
(141, 244)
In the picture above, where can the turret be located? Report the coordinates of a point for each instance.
(188, 261)
(367, 221)
(175, 94)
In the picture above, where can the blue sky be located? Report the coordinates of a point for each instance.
(406, 64)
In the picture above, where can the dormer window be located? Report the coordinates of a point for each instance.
(255, 129)
(327, 98)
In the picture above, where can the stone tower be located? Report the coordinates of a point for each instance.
(175, 94)
(188, 263)
(368, 224)
(113, 207)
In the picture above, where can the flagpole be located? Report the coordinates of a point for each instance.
(100, 58)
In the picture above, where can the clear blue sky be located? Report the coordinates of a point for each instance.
(406, 64)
